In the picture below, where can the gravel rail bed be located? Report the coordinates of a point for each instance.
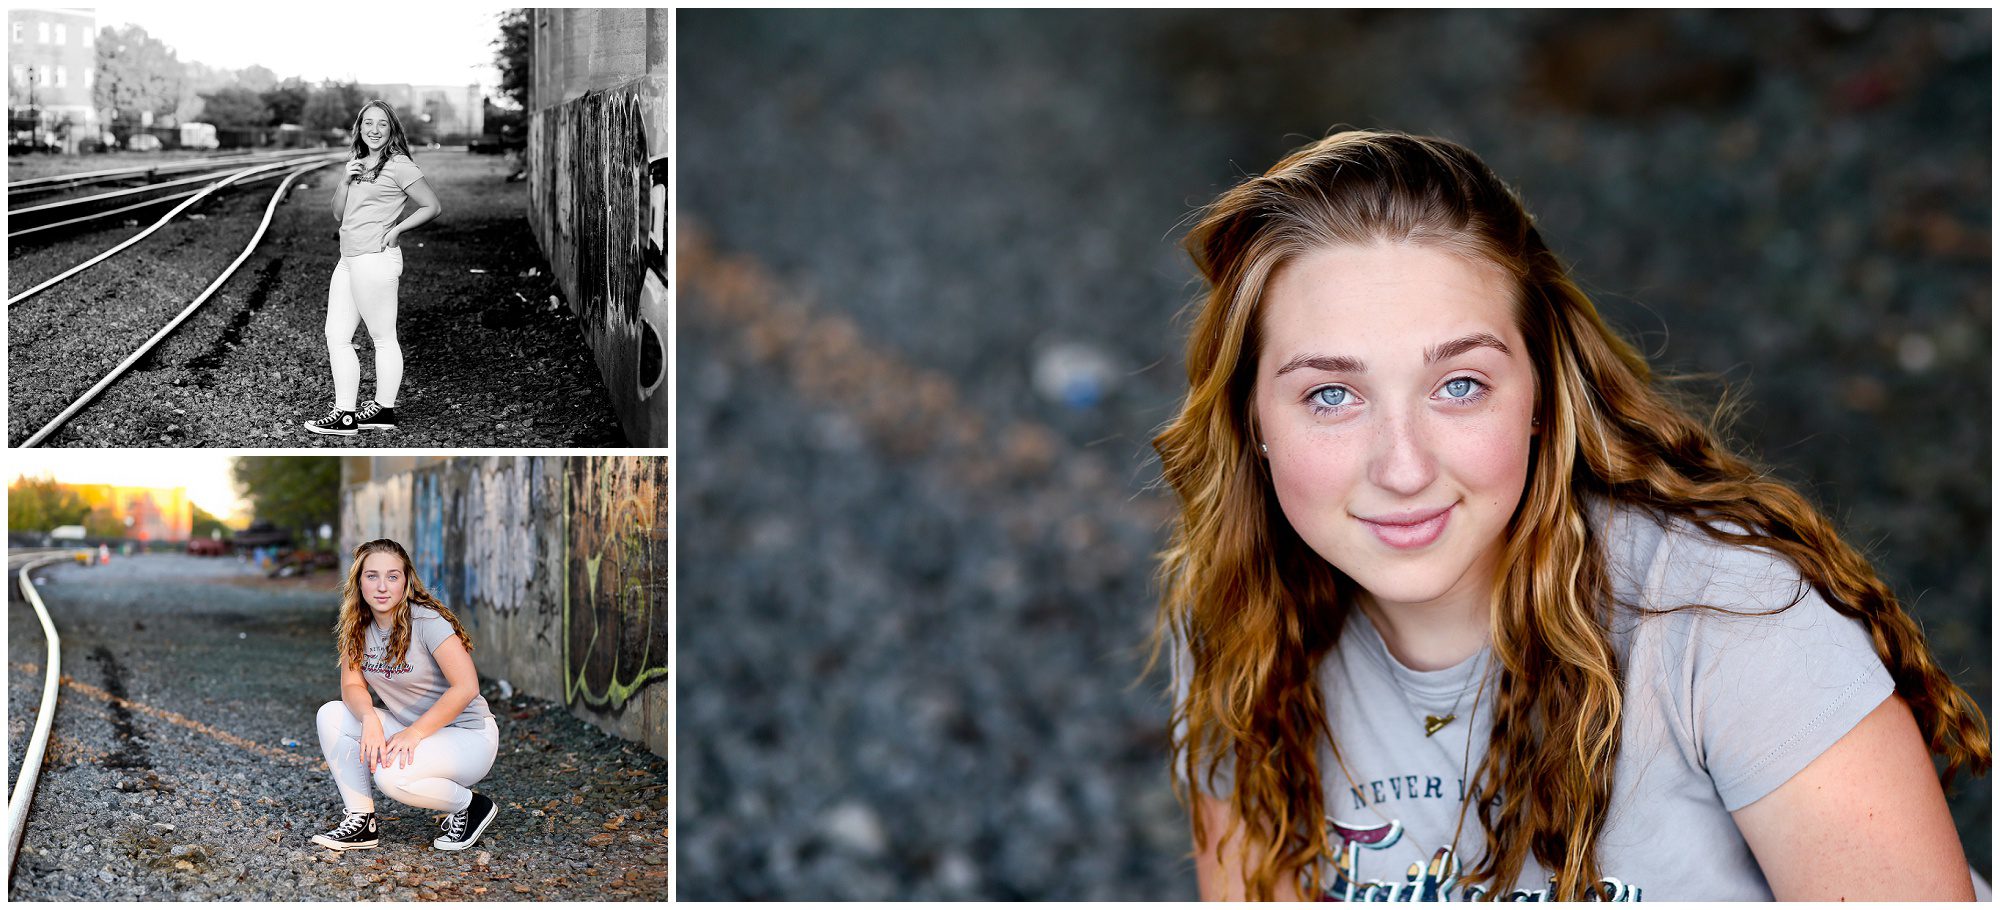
(184, 788)
(488, 359)
(66, 338)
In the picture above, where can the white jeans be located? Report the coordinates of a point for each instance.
(445, 765)
(364, 290)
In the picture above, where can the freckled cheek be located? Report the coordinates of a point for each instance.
(1313, 480)
(1491, 462)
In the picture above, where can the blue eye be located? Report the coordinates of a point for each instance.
(1332, 396)
(1462, 388)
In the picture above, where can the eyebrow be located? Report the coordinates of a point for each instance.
(1344, 364)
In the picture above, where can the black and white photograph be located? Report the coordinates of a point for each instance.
(306, 227)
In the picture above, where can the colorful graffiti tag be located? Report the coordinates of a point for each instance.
(615, 592)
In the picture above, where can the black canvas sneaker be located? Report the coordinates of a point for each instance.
(462, 829)
(336, 423)
(375, 416)
(356, 832)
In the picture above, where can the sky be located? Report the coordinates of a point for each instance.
(204, 474)
(420, 43)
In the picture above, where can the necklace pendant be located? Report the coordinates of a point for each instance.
(1434, 723)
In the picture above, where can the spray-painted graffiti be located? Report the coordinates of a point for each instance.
(428, 531)
(615, 593)
(499, 534)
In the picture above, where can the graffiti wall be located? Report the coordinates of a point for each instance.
(556, 565)
(597, 197)
(615, 607)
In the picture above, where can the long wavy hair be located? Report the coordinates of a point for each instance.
(1257, 609)
(398, 143)
(351, 631)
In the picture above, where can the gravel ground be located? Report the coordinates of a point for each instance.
(186, 789)
(927, 286)
(488, 359)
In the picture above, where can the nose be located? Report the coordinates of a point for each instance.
(1402, 461)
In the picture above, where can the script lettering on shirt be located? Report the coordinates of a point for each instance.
(1431, 881)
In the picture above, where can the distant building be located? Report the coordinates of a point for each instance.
(434, 110)
(52, 68)
(150, 514)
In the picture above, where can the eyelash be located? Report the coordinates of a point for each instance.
(1480, 389)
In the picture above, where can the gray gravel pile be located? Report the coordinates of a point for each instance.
(191, 788)
(908, 656)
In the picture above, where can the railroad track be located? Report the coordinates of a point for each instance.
(22, 564)
(290, 170)
(143, 174)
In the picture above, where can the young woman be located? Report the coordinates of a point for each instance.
(434, 736)
(380, 178)
(1464, 606)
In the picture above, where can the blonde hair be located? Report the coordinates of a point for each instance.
(351, 630)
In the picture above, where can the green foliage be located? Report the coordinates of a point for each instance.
(42, 504)
(205, 524)
(135, 73)
(296, 493)
(514, 54)
(235, 106)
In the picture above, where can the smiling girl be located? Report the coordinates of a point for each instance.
(434, 737)
(380, 179)
(1465, 606)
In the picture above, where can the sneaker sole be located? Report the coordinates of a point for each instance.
(332, 844)
(321, 432)
(370, 426)
(443, 844)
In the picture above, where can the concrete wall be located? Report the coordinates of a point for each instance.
(556, 565)
(597, 193)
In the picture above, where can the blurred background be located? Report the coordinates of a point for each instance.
(929, 288)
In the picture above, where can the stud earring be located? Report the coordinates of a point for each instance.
(1261, 447)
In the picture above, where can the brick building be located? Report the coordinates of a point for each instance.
(52, 68)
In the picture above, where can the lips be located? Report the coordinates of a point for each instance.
(1410, 530)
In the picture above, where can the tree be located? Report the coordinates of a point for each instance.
(296, 493)
(287, 101)
(333, 106)
(205, 524)
(257, 78)
(42, 504)
(515, 54)
(136, 73)
(235, 106)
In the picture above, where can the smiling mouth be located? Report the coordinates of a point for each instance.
(1410, 530)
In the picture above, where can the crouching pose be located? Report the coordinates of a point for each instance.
(433, 737)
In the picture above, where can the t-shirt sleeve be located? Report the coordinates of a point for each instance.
(432, 630)
(405, 172)
(1223, 783)
(1772, 690)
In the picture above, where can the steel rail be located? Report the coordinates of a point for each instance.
(31, 757)
(136, 356)
(45, 207)
(136, 206)
(135, 238)
(64, 181)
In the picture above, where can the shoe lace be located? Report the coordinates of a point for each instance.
(454, 825)
(368, 411)
(353, 822)
(332, 418)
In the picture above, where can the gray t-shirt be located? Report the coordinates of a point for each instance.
(411, 687)
(1719, 710)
